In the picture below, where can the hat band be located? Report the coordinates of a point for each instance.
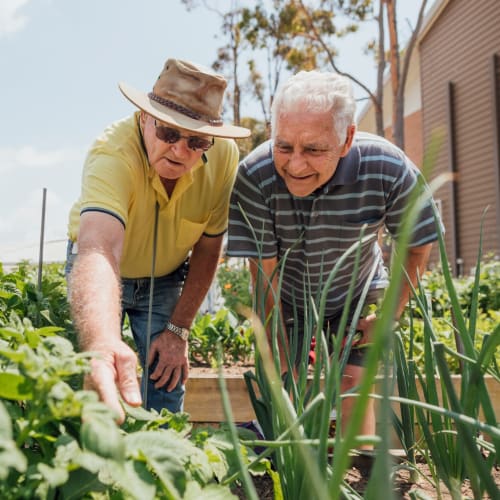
(185, 111)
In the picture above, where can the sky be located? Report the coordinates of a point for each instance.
(60, 64)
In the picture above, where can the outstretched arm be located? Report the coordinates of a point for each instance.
(95, 299)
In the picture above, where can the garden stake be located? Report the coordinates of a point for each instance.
(150, 308)
(42, 232)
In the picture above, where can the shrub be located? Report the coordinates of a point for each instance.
(224, 327)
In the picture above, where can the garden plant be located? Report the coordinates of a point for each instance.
(457, 444)
(59, 441)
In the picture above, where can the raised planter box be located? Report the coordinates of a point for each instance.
(203, 399)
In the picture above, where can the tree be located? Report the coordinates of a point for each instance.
(230, 53)
(399, 75)
(297, 34)
(399, 62)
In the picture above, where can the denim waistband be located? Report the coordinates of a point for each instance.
(178, 275)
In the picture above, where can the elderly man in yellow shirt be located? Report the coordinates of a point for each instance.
(145, 235)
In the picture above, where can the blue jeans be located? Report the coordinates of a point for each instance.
(135, 303)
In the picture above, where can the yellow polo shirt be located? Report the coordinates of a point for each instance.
(117, 179)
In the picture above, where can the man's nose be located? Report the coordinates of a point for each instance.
(296, 162)
(181, 147)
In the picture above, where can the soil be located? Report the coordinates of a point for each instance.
(404, 488)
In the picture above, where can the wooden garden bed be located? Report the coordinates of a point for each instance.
(203, 399)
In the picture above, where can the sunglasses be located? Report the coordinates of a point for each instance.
(172, 135)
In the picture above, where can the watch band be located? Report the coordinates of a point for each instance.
(183, 333)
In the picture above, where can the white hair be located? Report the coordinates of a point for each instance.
(318, 92)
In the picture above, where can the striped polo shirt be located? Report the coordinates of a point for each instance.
(370, 188)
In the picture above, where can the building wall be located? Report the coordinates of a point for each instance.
(413, 137)
(413, 115)
(457, 53)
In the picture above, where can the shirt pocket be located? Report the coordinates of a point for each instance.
(189, 234)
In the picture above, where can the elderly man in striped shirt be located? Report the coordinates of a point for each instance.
(301, 199)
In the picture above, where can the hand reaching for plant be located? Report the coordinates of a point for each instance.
(114, 372)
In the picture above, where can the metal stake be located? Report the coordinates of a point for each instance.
(150, 307)
(42, 233)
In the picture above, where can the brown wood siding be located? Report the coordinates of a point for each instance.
(459, 48)
(413, 137)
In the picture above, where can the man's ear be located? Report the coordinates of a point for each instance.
(351, 129)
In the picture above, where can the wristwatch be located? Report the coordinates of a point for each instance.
(183, 333)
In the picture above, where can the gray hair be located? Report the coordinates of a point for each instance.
(318, 92)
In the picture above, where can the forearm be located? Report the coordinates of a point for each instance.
(95, 303)
(267, 299)
(202, 268)
(416, 264)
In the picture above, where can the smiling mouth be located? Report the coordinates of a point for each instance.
(295, 178)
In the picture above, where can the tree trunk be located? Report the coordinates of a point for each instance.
(378, 104)
(397, 96)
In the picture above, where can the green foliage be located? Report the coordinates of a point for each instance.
(21, 298)
(295, 415)
(224, 327)
(488, 289)
(233, 278)
(57, 442)
(445, 332)
(449, 416)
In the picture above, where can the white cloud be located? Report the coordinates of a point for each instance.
(25, 172)
(11, 20)
(30, 157)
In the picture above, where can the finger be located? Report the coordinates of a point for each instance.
(158, 371)
(185, 373)
(127, 382)
(102, 380)
(165, 377)
(174, 379)
(153, 351)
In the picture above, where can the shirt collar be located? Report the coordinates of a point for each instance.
(347, 170)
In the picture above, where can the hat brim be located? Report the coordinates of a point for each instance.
(167, 115)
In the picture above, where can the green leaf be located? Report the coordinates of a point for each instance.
(54, 476)
(103, 437)
(211, 492)
(80, 482)
(133, 478)
(16, 387)
(11, 334)
(5, 424)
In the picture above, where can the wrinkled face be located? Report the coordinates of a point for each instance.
(307, 150)
(170, 159)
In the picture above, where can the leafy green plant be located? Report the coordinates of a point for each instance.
(47, 306)
(233, 278)
(57, 442)
(225, 328)
(452, 436)
(488, 288)
(295, 415)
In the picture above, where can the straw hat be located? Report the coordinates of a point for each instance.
(187, 96)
